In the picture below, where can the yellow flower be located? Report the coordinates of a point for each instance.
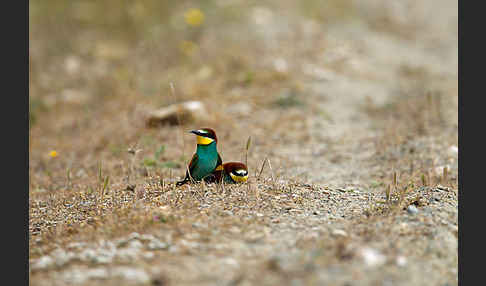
(194, 17)
(188, 47)
(53, 154)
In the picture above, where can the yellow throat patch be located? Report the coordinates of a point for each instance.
(204, 140)
(239, 179)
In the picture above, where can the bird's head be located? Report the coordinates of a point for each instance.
(237, 171)
(205, 136)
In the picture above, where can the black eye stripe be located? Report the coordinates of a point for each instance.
(205, 133)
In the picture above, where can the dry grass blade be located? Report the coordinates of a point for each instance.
(222, 184)
(248, 143)
(261, 169)
(107, 179)
(100, 177)
(445, 175)
(387, 193)
(271, 170)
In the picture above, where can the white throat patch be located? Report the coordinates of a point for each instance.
(241, 172)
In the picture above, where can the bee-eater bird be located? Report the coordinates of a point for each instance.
(206, 158)
(229, 173)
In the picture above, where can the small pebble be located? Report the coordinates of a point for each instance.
(412, 209)
(131, 274)
(127, 254)
(401, 260)
(148, 255)
(134, 235)
(339, 232)
(43, 263)
(371, 257)
(135, 244)
(78, 276)
(157, 245)
(103, 256)
(61, 257)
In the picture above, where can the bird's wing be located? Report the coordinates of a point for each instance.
(193, 162)
(220, 162)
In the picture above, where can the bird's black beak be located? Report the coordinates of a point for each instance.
(195, 132)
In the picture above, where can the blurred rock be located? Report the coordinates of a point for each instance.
(135, 244)
(79, 276)
(372, 257)
(102, 256)
(133, 275)
(186, 112)
(401, 261)
(133, 235)
(76, 245)
(61, 257)
(157, 245)
(281, 65)
(453, 151)
(72, 64)
(339, 232)
(42, 263)
(148, 255)
(411, 209)
(128, 254)
(147, 237)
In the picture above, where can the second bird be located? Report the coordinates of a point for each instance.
(206, 158)
(229, 173)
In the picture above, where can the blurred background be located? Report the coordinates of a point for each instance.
(319, 85)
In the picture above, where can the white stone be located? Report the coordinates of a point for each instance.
(280, 65)
(148, 255)
(42, 263)
(157, 245)
(184, 112)
(339, 232)
(401, 261)
(79, 276)
(127, 254)
(134, 235)
(133, 275)
(104, 256)
(135, 244)
(371, 257)
(87, 255)
(453, 151)
(61, 257)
